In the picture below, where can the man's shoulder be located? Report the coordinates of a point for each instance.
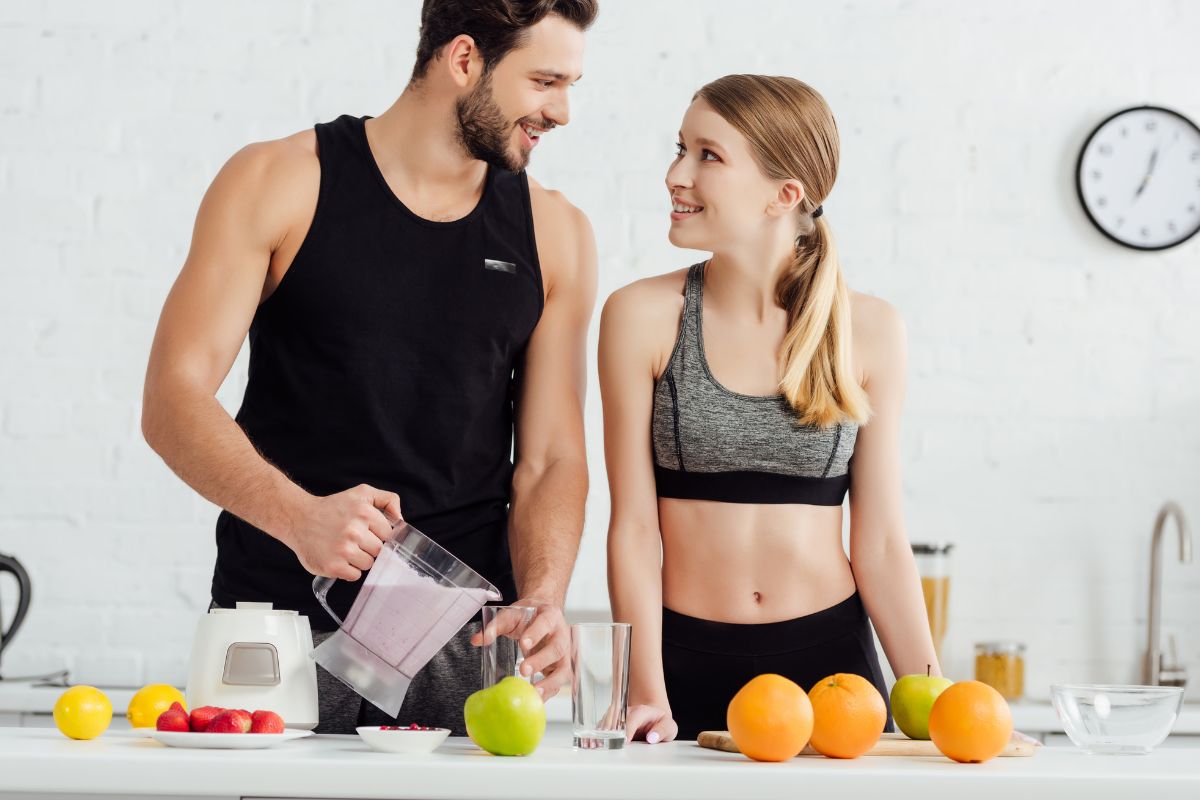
(274, 184)
(566, 244)
(551, 208)
(278, 160)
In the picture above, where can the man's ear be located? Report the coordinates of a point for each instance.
(790, 195)
(463, 61)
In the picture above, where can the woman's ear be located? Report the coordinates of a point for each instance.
(790, 195)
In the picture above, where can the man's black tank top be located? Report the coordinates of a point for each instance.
(386, 356)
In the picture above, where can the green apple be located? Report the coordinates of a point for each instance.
(912, 700)
(507, 719)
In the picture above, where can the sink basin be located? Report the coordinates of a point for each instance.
(1116, 719)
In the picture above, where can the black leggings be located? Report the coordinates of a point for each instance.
(706, 662)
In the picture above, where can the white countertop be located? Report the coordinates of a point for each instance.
(327, 766)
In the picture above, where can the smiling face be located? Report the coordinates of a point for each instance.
(523, 96)
(719, 193)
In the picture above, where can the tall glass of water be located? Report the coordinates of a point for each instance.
(599, 684)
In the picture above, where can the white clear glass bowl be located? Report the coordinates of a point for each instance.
(1116, 719)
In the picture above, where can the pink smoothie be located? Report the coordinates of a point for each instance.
(405, 617)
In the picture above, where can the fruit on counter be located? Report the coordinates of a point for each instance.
(770, 718)
(848, 715)
(230, 721)
(201, 717)
(150, 701)
(173, 719)
(412, 726)
(82, 712)
(912, 700)
(970, 722)
(266, 722)
(508, 719)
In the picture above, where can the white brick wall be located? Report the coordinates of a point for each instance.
(1055, 377)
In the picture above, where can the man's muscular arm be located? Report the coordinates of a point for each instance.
(252, 206)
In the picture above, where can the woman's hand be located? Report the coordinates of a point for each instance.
(650, 723)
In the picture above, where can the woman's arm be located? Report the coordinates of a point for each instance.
(880, 554)
(626, 364)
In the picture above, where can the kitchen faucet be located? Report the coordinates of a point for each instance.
(1158, 674)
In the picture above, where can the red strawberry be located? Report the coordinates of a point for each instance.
(231, 721)
(202, 716)
(173, 719)
(266, 722)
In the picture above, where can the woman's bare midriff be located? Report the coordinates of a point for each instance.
(743, 563)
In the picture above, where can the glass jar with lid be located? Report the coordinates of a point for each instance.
(1001, 665)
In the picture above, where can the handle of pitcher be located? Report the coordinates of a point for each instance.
(321, 587)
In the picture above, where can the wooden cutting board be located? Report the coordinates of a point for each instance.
(889, 744)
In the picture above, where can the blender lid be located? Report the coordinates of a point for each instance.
(932, 548)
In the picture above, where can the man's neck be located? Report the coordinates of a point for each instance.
(415, 143)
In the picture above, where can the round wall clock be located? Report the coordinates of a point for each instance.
(1138, 178)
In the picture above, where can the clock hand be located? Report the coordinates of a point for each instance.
(1149, 171)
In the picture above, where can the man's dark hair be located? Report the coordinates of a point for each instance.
(497, 26)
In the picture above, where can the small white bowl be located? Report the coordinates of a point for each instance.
(1116, 719)
(402, 740)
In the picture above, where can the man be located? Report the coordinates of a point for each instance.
(403, 322)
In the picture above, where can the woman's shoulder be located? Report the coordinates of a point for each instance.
(659, 296)
(640, 321)
(878, 332)
(874, 314)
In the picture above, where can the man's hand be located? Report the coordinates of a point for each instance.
(546, 644)
(339, 536)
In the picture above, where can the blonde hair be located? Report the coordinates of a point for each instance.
(792, 134)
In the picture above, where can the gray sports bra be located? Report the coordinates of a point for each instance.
(711, 443)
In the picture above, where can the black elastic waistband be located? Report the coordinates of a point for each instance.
(765, 638)
(751, 487)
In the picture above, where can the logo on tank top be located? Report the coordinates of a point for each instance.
(500, 266)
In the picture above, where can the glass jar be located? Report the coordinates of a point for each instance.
(1001, 665)
(933, 565)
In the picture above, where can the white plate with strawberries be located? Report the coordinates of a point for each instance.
(226, 741)
(222, 728)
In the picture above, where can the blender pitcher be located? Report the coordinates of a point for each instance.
(416, 597)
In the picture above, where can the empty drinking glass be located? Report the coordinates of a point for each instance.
(501, 654)
(599, 684)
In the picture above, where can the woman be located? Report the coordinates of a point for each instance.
(737, 395)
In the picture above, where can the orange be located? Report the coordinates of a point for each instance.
(770, 718)
(970, 722)
(848, 715)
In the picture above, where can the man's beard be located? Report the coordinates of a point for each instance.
(484, 132)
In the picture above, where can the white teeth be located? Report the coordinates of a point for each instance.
(682, 209)
(533, 133)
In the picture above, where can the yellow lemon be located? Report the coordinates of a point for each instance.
(149, 702)
(82, 712)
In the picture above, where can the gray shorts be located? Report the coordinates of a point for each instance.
(435, 698)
